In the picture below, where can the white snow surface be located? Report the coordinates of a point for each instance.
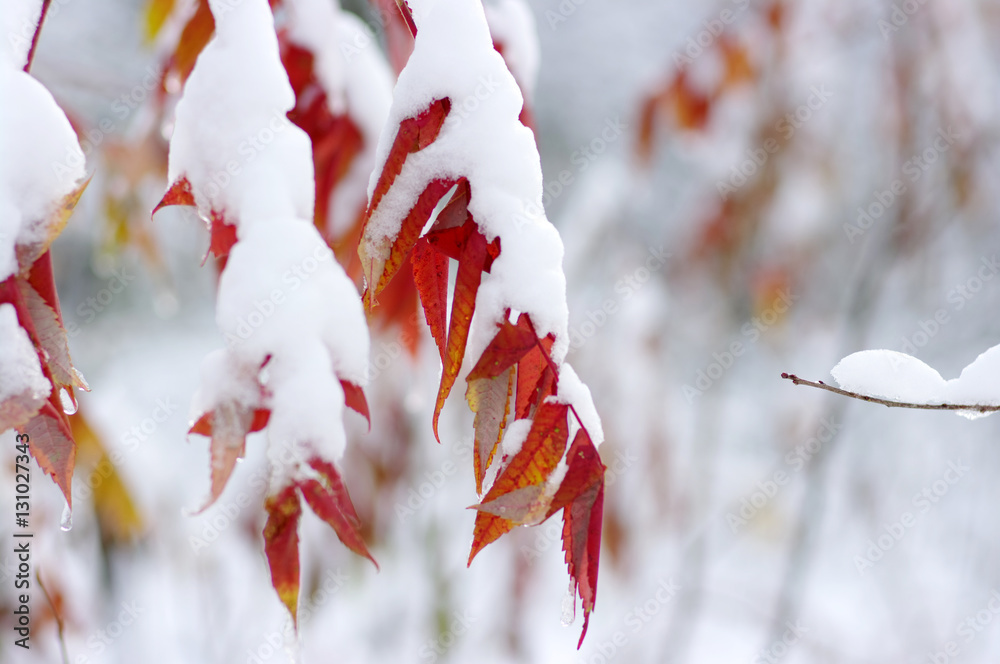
(282, 296)
(20, 372)
(513, 25)
(42, 160)
(231, 138)
(358, 82)
(897, 376)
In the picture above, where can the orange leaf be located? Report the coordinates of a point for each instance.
(430, 274)
(195, 36)
(539, 454)
(463, 305)
(489, 399)
(487, 530)
(330, 501)
(281, 545)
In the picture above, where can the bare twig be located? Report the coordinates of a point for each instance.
(981, 408)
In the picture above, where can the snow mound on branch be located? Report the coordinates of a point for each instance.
(481, 139)
(513, 26)
(284, 303)
(358, 82)
(42, 160)
(232, 139)
(897, 376)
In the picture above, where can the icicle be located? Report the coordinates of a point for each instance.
(66, 522)
(69, 404)
(569, 605)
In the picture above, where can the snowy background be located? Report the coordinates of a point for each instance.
(746, 519)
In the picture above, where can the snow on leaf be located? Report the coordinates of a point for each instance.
(383, 265)
(29, 253)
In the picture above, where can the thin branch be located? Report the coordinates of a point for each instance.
(34, 38)
(888, 402)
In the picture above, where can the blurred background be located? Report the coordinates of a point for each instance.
(743, 188)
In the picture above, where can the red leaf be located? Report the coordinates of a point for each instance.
(51, 443)
(404, 242)
(581, 497)
(223, 235)
(535, 379)
(330, 501)
(430, 274)
(414, 134)
(509, 345)
(354, 398)
(281, 545)
(179, 193)
(463, 305)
